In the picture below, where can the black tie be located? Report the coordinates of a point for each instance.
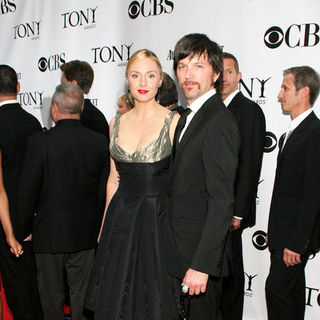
(179, 128)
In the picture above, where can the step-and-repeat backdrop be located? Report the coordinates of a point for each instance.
(266, 36)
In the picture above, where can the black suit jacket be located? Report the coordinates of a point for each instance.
(16, 126)
(202, 195)
(295, 206)
(92, 118)
(58, 200)
(252, 127)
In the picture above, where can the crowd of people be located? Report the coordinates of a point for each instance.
(144, 219)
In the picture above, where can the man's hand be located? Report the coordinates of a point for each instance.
(196, 281)
(235, 223)
(28, 238)
(291, 258)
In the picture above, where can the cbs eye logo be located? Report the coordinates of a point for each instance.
(273, 37)
(52, 63)
(296, 35)
(270, 142)
(42, 64)
(134, 9)
(150, 8)
(259, 240)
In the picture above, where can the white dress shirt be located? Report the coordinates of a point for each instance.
(295, 123)
(229, 98)
(194, 107)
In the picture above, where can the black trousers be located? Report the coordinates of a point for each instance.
(19, 282)
(232, 289)
(51, 282)
(204, 306)
(285, 289)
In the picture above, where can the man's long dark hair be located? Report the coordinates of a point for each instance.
(197, 44)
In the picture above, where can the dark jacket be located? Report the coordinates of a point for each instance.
(295, 206)
(202, 191)
(59, 198)
(16, 126)
(252, 127)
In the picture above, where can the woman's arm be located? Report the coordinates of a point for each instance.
(15, 246)
(173, 126)
(112, 184)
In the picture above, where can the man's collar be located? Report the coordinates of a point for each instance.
(296, 121)
(229, 98)
(8, 102)
(197, 104)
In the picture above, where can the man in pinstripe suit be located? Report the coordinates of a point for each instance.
(204, 167)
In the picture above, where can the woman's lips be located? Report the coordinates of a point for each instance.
(143, 91)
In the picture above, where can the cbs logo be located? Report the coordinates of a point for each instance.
(270, 142)
(259, 240)
(149, 8)
(297, 35)
(52, 63)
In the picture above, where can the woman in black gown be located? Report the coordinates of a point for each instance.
(129, 279)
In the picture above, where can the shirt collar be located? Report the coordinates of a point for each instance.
(197, 104)
(8, 102)
(296, 121)
(229, 98)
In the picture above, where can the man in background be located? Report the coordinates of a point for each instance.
(294, 220)
(16, 126)
(59, 202)
(251, 123)
(81, 73)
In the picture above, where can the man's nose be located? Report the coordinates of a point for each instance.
(189, 73)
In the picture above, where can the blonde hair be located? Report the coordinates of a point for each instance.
(143, 53)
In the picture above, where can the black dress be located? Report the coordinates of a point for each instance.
(129, 279)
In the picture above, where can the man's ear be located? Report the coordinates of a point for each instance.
(304, 92)
(54, 110)
(215, 76)
(18, 87)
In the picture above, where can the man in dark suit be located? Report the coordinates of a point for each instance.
(251, 123)
(293, 230)
(81, 73)
(203, 173)
(16, 126)
(58, 202)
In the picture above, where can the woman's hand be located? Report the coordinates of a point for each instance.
(15, 246)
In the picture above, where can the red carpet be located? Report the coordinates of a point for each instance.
(7, 315)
